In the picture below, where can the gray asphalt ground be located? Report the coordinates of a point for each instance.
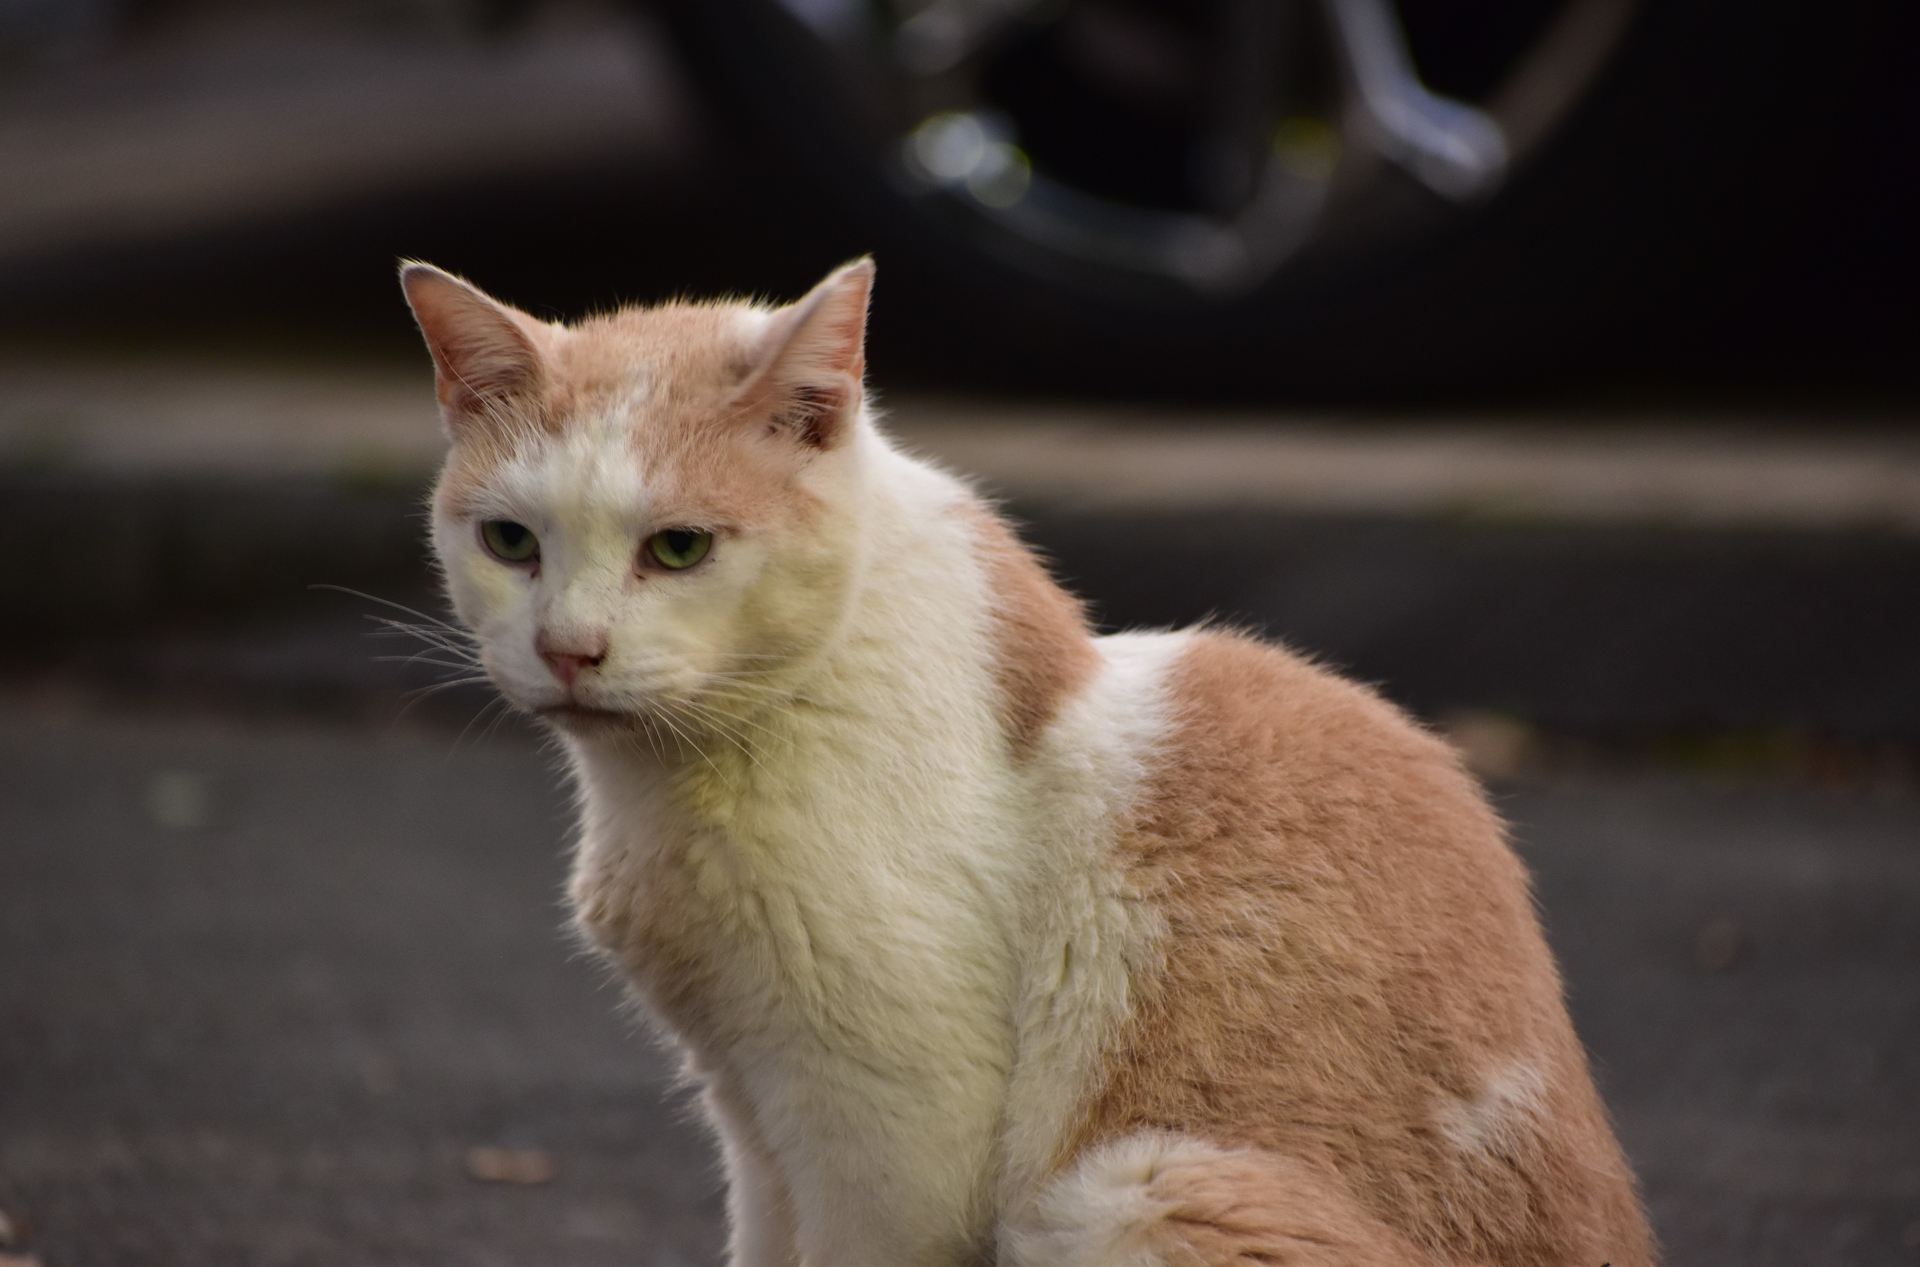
(268, 1033)
(267, 983)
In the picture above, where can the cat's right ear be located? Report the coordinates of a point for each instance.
(485, 356)
(813, 359)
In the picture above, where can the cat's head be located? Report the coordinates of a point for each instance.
(651, 514)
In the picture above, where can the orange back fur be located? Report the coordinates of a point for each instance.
(1351, 954)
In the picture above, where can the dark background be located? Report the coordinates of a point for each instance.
(1726, 218)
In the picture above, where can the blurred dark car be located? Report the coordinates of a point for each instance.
(1202, 199)
(1207, 195)
(1220, 161)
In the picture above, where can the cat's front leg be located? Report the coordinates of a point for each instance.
(762, 1229)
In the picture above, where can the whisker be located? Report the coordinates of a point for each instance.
(425, 657)
(714, 717)
(435, 628)
(421, 692)
(499, 719)
(682, 740)
(433, 644)
(679, 740)
(734, 695)
(698, 750)
(715, 724)
(465, 644)
(489, 706)
(743, 688)
(399, 607)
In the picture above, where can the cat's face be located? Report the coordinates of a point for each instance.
(648, 518)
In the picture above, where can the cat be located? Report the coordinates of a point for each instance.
(985, 939)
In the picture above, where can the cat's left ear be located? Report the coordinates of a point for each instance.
(812, 358)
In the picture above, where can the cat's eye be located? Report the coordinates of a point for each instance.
(679, 548)
(508, 541)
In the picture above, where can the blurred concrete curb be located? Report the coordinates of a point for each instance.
(1583, 579)
(1588, 629)
(123, 554)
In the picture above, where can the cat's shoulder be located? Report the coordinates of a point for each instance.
(1234, 683)
(1249, 723)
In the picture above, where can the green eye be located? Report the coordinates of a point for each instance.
(679, 547)
(508, 541)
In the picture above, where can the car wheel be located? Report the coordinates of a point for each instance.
(1164, 179)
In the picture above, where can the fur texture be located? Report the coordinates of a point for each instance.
(988, 939)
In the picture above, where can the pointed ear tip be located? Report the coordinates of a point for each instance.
(416, 273)
(848, 281)
(853, 273)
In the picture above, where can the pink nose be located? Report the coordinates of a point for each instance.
(570, 658)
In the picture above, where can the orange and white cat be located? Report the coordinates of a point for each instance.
(990, 940)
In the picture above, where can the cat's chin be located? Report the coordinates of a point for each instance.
(580, 719)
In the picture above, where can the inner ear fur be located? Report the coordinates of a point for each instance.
(485, 353)
(812, 358)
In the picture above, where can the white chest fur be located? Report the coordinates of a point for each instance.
(889, 948)
(844, 986)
